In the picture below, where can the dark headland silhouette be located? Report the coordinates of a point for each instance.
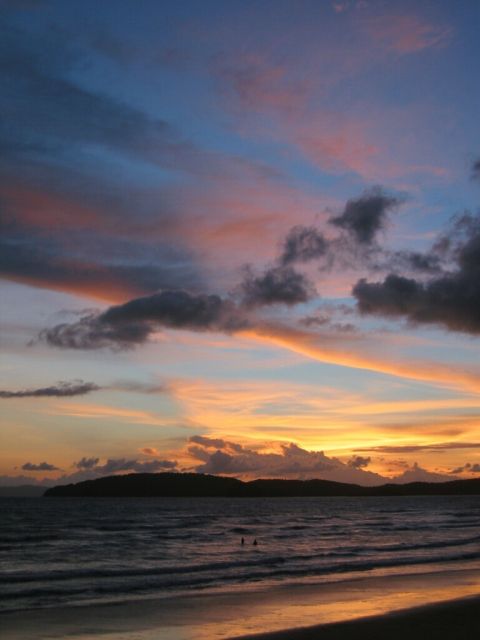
(200, 485)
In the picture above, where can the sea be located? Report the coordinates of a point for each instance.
(78, 551)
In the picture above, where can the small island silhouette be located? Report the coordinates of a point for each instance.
(203, 485)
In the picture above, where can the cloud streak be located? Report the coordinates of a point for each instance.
(42, 466)
(60, 390)
(413, 448)
(351, 350)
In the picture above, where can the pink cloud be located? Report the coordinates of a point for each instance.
(259, 84)
(406, 34)
(46, 209)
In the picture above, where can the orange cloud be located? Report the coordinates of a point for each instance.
(150, 451)
(105, 412)
(351, 352)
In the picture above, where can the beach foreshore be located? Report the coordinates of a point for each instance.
(453, 619)
(330, 610)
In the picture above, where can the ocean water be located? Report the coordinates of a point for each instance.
(62, 551)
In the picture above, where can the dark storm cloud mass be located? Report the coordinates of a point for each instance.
(131, 324)
(303, 244)
(363, 217)
(451, 300)
(60, 390)
(42, 466)
(276, 285)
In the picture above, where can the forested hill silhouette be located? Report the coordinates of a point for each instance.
(200, 485)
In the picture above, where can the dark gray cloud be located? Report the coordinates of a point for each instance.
(177, 310)
(60, 390)
(468, 467)
(130, 324)
(140, 387)
(122, 464)
(86, 463)
(326, 321)
(216, 443)
(89, 468)
(476, 170)
(359, 462)
(303, 244)
(450, 299)
(363, 217)
(91, 332)
(276, 285)
(42, 466)
(412, 261)
(354, 246)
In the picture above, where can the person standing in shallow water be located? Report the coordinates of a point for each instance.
(242, 541)
(255, 542)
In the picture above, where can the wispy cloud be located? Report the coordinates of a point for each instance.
(60, 390)
(406, 34)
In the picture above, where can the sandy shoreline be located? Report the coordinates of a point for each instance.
(453, 619)
(274, 613)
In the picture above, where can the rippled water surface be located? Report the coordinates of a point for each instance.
(72, 551)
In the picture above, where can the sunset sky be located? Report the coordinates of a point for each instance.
(240, 237)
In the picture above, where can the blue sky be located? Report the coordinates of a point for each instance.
(253, 224)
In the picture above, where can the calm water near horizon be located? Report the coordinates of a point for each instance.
(64, 551)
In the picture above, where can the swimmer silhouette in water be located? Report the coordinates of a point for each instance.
(255, 542)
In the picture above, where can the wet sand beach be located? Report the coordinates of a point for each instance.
(336, 610)
(457, 619)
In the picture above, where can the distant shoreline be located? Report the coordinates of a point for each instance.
(199, 485)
